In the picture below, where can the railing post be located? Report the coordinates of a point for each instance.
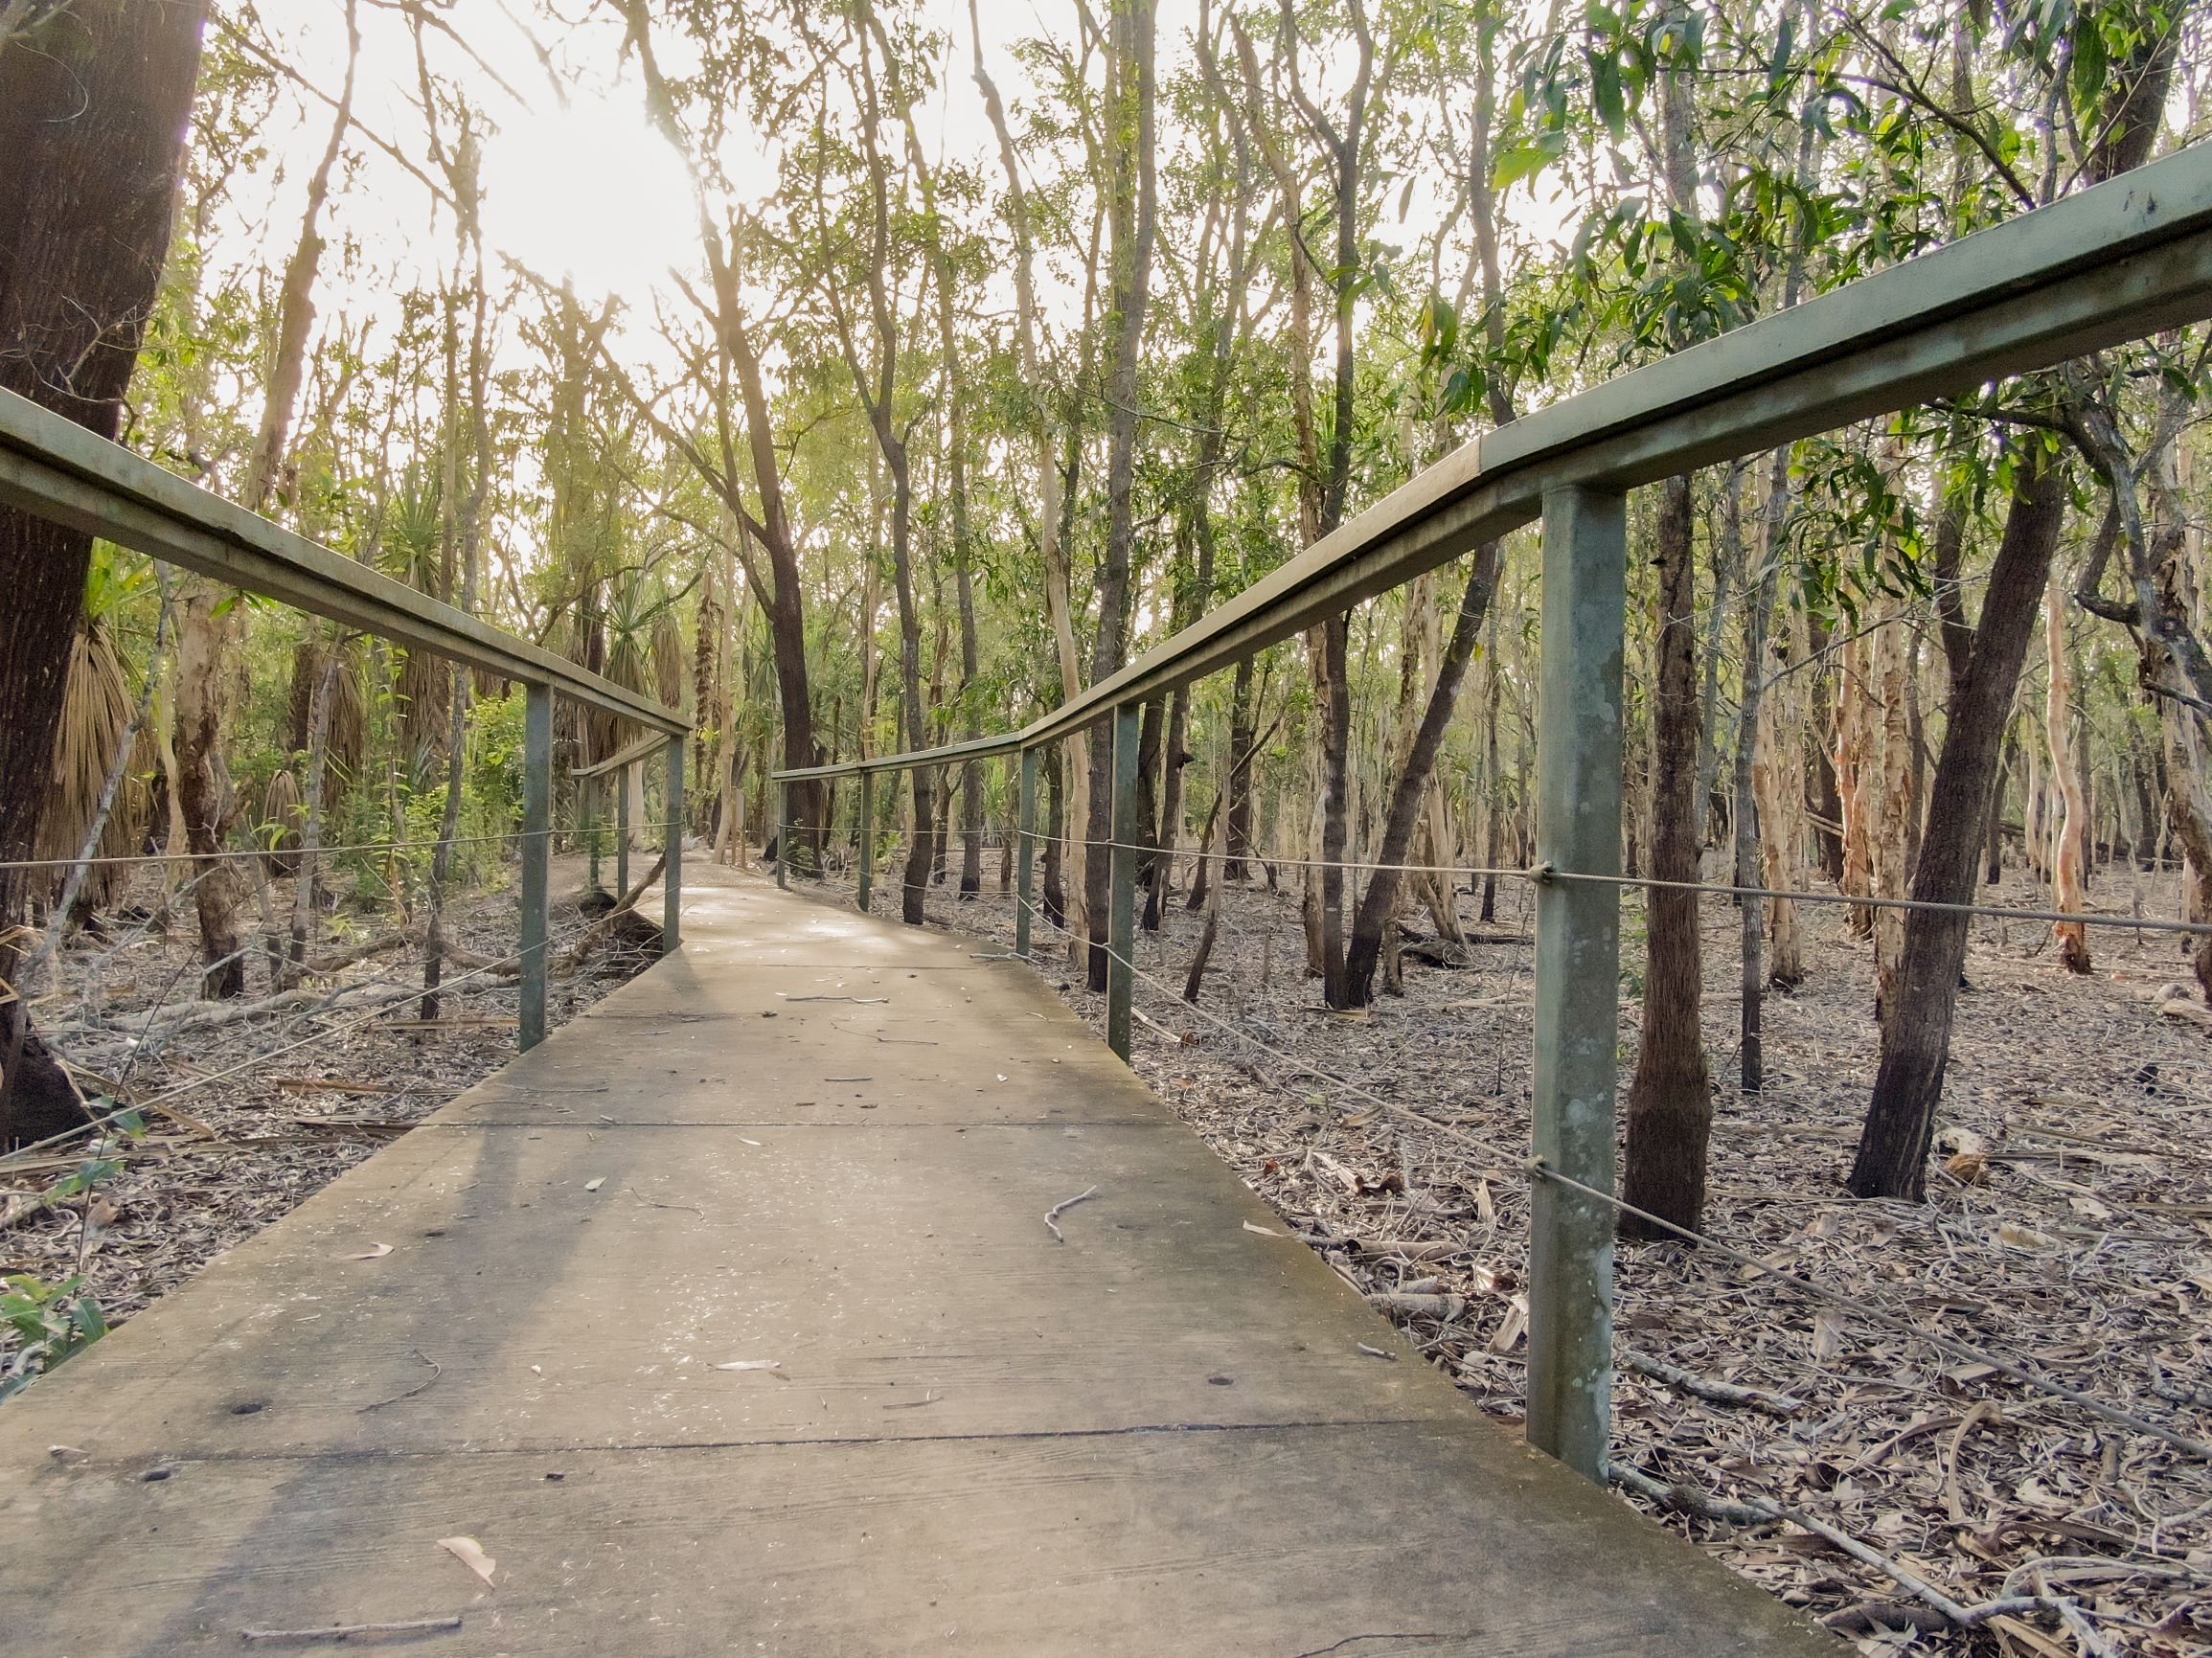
(1122, 892)
(867, 839)
(673, 841)
(536, 858)
(1578, 959)
(621, 776)
(1025, 850)
(783, 835)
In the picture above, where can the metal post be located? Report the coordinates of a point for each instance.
(536, 858)
(621, 776)
(673, 841)
(867, 839)
(1024, 852)
(783, 835)
(1578, 959)
(1121, 896)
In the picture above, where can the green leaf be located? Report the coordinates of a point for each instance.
(2091, 64)
(1524, 161)
(1606, 93)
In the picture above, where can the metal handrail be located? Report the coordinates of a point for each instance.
(53, 469)
(2129, 257)
(2122, 259)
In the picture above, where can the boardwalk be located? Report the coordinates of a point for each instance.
(825, 1145)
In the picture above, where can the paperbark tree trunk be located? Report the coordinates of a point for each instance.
(2066, 878)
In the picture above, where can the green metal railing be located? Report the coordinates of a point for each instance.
(2116, 263)
(55, 469)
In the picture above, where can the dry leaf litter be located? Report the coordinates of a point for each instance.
(278, 1132)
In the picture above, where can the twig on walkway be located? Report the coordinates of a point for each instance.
(437, 1370)
(1052, 1215)
(884, 999)
(1706, 1388)
(350, 1631)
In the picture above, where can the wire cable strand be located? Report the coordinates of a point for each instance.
(268, 851)
(1536, 1169)
(1540, 873)
(157, 1102)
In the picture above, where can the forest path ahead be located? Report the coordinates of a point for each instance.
(728, 1321)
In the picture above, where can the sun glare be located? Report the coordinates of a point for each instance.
(590, 192)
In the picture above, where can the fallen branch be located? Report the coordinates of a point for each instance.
(1052, 1215)
(1151, 1024)
(350, 1631)
(1707, 1388)
(1689, 1500)
(581, 951)
(361, 952)
(1398, 1305)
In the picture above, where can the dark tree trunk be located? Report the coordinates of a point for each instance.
(1995, 871)
(1237, 832)
(1822, 799)
(92, 106)
(1055, 832)
(1335, 636)
(1171, 824)
(1149, 779)
(1133, 217)
(1670, 1104)
(1916, 1038)
(1405, 799)
(1203, 882)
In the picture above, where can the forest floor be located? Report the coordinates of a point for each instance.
(245, 1132)
(2074, 1233)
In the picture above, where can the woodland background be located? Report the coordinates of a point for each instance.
(995, 350)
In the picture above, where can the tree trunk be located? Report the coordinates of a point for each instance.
(1916, 1039)
(94, 100)
(2066, 876)
(1824, 795)
(1237, 833)
(1670, 1104)
(1134, 221)
(1052, 540)
(331, 664)
(1055, 837)
(1995, 871)
(1406, 798)
(1889, 792)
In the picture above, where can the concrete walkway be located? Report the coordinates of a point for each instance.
(827, 1146)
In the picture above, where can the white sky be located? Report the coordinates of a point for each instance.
(577, 183)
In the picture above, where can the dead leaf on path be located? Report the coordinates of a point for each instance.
(1507, 1337)
(374, 1252)
(471, 1554)
(595, 1185)
(1262, 1231)
(2017, 1237)
(1827, 1333)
